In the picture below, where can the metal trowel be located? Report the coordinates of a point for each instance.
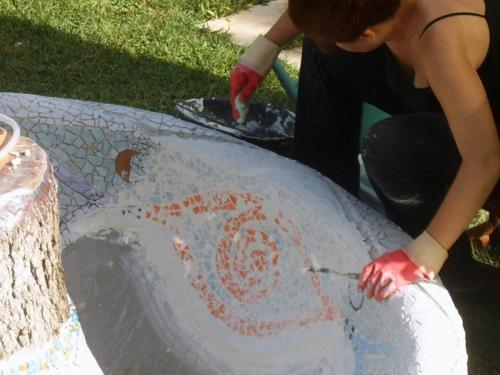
(349, 275)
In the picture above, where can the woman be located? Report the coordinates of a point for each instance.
(435, 66)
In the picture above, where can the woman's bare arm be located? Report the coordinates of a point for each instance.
(456, 84)
(283, 30)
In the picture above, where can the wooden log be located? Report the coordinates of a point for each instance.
(33, 297)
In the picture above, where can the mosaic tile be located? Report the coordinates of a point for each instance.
(60, 353)
(181, 183)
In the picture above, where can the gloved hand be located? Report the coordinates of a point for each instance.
(250, 70)
(421, 259)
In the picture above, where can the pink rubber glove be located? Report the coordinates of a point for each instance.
(389, 273)
(250, 70)
(244, 81)
(420, 259)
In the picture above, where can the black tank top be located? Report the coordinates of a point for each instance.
(423, 100)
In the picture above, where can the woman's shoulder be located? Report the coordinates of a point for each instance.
(446, 16)
(448, 26)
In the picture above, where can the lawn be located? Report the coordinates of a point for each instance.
(137, 53)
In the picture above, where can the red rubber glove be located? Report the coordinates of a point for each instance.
(389, 273)
(250, 70)
(244, 81)
(420, 259)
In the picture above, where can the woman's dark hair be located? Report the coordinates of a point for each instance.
(329, 21)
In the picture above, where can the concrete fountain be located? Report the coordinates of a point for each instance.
(186, 251)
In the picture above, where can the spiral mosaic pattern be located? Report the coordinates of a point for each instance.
(247, 260)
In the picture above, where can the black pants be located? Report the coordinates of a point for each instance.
(411, 161)
(332, 89)
(411, 158)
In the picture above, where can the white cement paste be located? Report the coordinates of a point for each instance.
(195, 266)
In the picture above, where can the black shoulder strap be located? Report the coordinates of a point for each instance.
(446, 16)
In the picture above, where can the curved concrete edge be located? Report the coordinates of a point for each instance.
(430, 318)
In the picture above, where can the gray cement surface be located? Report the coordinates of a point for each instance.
(117, 330)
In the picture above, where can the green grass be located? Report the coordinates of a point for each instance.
(142, 53)
(294, 43)
(491, 253)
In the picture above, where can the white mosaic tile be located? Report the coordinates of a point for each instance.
(217, 232)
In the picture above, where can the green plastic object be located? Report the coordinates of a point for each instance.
(370, 116)
(290, 84)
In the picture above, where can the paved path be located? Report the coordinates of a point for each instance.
(245, 26)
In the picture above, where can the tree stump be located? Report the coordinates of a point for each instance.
(33, 297)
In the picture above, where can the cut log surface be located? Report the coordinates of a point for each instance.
(33, 297)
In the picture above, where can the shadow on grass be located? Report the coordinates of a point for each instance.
(39, 59)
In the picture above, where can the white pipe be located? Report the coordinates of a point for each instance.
(15, 135)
